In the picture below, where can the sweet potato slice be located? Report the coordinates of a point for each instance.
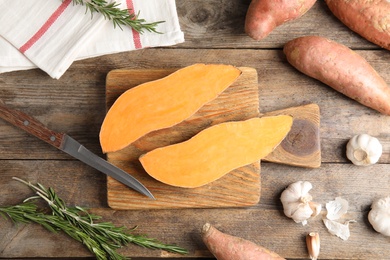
(215, 151)
(163, 103)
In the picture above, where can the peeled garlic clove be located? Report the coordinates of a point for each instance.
(313, 245)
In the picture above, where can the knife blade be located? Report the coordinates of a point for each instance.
(70, 146)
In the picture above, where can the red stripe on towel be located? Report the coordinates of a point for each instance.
(45, 26)
(136, 35)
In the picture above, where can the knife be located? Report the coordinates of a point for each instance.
(70, 146)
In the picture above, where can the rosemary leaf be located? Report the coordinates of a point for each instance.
(16, 213)
(119, 17)
(101, 238)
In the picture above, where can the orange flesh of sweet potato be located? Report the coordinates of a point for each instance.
(370, 19)
(340, 68)
(163, 103)
(216, 151)
(263, 16)
(228, 247)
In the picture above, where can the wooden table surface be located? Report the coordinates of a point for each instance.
(214, 33)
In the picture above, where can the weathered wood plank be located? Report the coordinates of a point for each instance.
(74, 104)
(302, 146)
(241, 188)
(220, 24)
(76, 182)
(238, 102)
(64, 107)
(214, 32)
(264, 223)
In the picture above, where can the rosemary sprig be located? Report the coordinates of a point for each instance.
(101, 238)
(119, 17)
(27, 212)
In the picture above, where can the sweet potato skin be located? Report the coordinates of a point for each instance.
(263, 16)
(227, 247)
(370, 19)
(340, 68)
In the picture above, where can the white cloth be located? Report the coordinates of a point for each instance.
(51, 34)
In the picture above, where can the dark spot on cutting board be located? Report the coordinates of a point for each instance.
(302, 138)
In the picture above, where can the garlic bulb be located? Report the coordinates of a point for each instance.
(297, 202)
(364, 150)
(379, 216)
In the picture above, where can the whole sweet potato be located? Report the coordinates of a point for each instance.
(340, 68)
(263, 16)
(227, 247)
(370, 19)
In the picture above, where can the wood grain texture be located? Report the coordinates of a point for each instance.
(80, 113)
(239, 188)
(183, 226)
(31, 125)
(302, 145)
(216, 24)
(213, 30)
(239, 102)
(76, 104)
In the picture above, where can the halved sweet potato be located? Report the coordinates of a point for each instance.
(215, 151)
(163, 103)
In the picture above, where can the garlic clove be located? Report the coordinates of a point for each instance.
(313, 245)
(302, 214)
(315, 207)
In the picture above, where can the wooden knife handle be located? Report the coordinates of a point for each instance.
(30, 125)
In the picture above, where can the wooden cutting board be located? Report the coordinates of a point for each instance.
(239, 188)
(301, 147)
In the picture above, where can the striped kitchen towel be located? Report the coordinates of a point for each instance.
(51, 34)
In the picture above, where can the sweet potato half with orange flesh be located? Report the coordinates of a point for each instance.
(163, 103)
(228, 247)
(215, 151)
(341, 68)
(370, 19)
